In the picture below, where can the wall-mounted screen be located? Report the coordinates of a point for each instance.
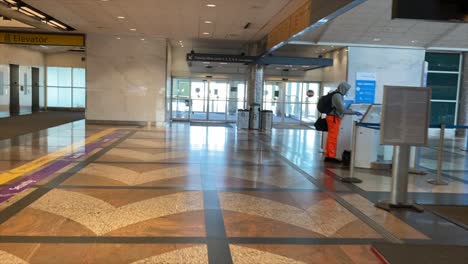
(442, 10)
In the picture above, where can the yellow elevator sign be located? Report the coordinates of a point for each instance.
(41, 39)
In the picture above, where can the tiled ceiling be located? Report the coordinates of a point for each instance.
(173, 19)
(370, 23)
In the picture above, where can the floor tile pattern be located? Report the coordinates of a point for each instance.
(190, 194)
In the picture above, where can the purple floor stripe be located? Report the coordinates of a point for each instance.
(26, 182)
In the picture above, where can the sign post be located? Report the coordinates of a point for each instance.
(405, 123)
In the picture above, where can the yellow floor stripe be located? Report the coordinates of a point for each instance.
(35, 164)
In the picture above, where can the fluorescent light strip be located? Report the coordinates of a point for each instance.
(58, 24)
(26, 12)
(50, 24)
(33, 12)
(10, 2)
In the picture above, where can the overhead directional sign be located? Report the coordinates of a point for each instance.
(47, 39)
(220, 58)
(265, 60)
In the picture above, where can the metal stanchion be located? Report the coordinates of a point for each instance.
(415, 169)
(438, 180)
(466, 141)
(351, 179)
(399, 191)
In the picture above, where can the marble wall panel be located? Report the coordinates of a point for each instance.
(393, 66)
(126, 78)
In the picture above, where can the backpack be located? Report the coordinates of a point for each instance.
(325, 105)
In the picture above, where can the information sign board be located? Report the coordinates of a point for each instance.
(365, 87)
(405, 115)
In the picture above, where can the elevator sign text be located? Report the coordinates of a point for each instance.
(41, 39)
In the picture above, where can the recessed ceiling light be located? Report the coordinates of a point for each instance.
(133, 29)
(142, 39)
(206, 33)
(208, 22)
(376, 39)
(210, 5)
(182, 46)
(117, 37)
(414, 41)
(121, 17)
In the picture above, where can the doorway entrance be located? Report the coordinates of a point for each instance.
(292, 102)
(207, 100)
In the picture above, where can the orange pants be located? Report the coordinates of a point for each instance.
(333, 123)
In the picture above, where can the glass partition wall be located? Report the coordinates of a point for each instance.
(207, 100)
(219, 100)
(292, 102)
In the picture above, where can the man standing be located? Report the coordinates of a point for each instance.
(334, 120)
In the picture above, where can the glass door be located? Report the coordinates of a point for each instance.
(273, 100)
(207, 100)
(309, 103)
(218, 99)
(291, 102)
(180, 99)
(199, 98)
(236, 99)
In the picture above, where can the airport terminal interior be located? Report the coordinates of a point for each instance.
(187, 131)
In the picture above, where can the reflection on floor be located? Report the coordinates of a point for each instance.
(191, 194)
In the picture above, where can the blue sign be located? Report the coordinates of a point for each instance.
(365, 91)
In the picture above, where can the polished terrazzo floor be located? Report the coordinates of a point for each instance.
(190, 194)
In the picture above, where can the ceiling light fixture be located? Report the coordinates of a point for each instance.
(206, 33)
(57, 24)
(25, 9)
(121, 17)
(25, 12)
(208, 22)
(143, 39)
(117, 37)
(210, 5)
(414, 41)
(376, 39)
(133, 29)
(29, 10)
